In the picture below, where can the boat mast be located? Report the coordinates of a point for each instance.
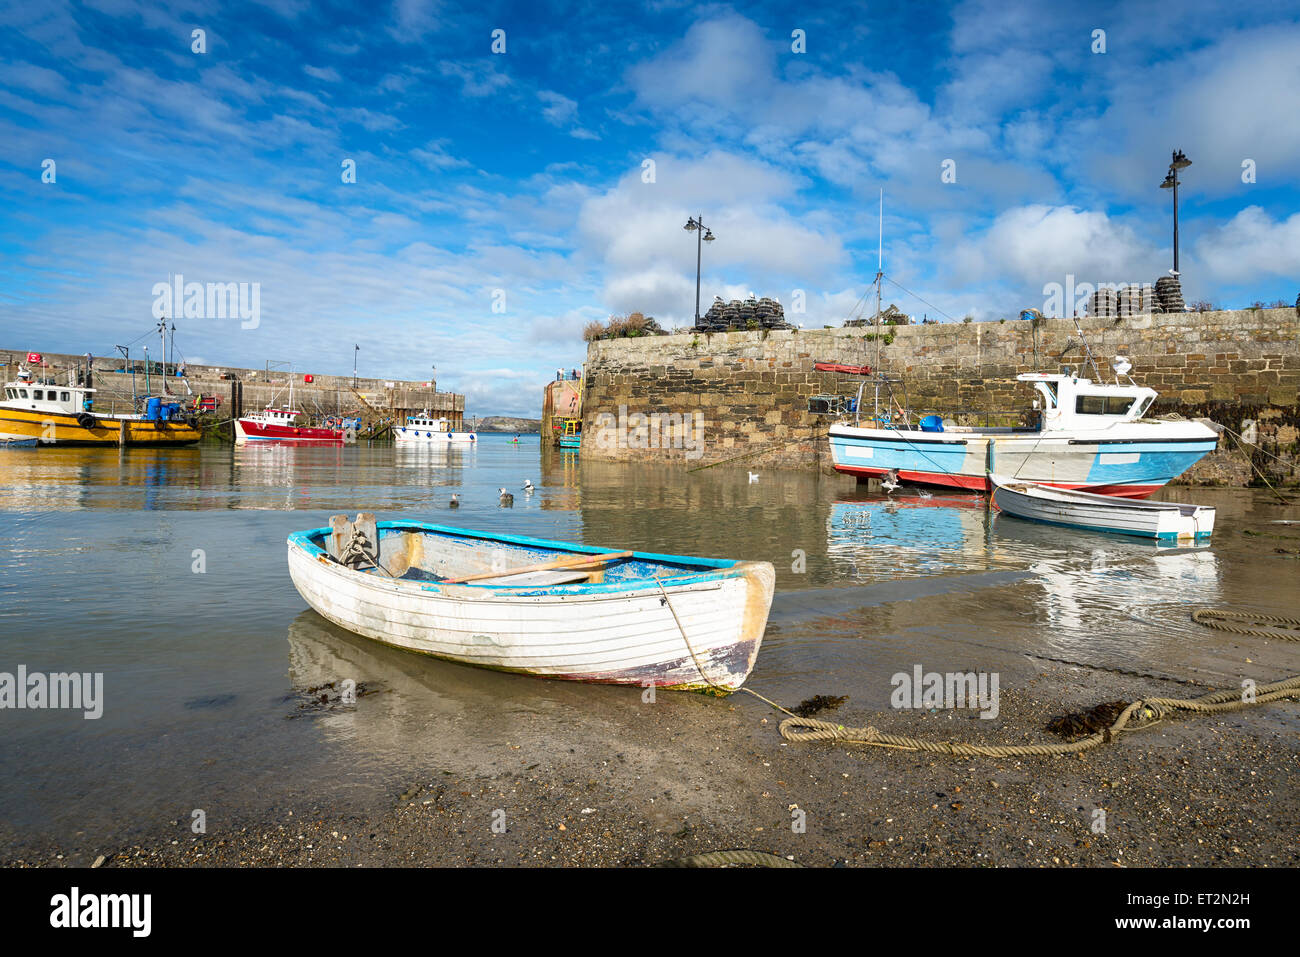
(162, 334)
(880, 273)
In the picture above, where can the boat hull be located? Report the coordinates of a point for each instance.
(56, 428)
(1130, 466)
(1165, 522)
(619, 632)
(407, 435)
(249, 430)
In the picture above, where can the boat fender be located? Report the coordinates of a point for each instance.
(86, 420)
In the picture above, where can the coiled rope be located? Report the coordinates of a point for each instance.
(1226, 620)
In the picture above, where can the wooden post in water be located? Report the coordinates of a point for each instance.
(122, 432)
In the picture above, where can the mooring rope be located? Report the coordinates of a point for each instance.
(1143, 713)
(1222, 619)
(723, 858)
(1148, 711)
(1251, 462)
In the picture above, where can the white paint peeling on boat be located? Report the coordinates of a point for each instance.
(621, 631)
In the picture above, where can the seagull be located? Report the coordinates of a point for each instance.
(528, 485)
(753, 477)
(924, 493)
(455, 501)
(507, 500)
(889, 482)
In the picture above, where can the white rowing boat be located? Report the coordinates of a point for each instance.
(1163, 521)
(543, 608)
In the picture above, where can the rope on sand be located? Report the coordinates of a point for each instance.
(1226, 620)
(724, 858)
(1142, 714)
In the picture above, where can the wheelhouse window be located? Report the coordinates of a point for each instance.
(1103, 404)
(65, 396)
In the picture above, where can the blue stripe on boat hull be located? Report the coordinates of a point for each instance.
(1109, 530)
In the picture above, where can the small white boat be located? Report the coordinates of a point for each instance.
(1163, 521)
(538, 607)
(425, 430)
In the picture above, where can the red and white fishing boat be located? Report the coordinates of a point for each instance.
(282, 425)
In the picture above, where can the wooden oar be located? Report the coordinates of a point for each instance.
(574, 562)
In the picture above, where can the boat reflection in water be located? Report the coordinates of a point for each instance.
(1096, 584)
(423, 455)
(877, 540)
(1085, 587)
(412, 706)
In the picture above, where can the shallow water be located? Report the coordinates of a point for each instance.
(207, 670)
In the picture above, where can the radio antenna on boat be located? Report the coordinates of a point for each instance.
(1087, 350)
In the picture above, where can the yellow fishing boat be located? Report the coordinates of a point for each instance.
(55, 414)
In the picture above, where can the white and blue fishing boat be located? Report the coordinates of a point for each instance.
(538, 607)
(1090, 435)
(425, 429)
(1166, 522)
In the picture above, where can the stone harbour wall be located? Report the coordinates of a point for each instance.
(742, 397)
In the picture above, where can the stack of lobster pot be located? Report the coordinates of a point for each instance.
(762, 313)
(1104, 304)
(1130, 301)
(1170, 293)
(1150, 301)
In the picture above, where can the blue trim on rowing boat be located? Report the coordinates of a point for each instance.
(722, 568)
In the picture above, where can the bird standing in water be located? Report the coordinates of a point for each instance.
(455, 500)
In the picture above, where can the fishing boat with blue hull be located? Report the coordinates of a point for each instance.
(538, 607)
(1090, 435)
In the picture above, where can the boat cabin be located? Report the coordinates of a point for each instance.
(277, 416)
(425, 422)
(1069, 402)
(47, 397)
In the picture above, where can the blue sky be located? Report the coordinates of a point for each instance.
(519, 177)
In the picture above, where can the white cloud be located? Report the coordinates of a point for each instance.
(559, 109)
(1030, 246)
(477, 78)
(328, 74)
(412, 19)
(1252, 245)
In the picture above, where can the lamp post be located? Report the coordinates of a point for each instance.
(703, 235)
(355, 350)
(1178, 161)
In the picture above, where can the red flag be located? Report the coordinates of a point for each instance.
(35, 357)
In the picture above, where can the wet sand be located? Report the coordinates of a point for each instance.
(1207, 791)
(630, 783)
